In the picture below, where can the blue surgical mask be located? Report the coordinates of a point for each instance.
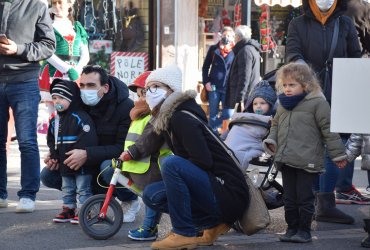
(90, 96)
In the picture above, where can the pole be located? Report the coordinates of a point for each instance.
(246, 12)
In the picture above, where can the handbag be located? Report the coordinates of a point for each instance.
(204, 95)
(325, 74)
(256, 215)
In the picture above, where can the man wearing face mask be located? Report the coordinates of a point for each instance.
(309, 41)
(215, 68)
(107, 101)
(245, 68)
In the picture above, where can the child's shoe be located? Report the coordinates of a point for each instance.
(65, 216)
(74, 220)
(302, 236)
(287, 237)
(143, 234)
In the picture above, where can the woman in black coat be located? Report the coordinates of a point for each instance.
(205, 189)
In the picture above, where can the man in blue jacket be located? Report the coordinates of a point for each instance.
(29, 38)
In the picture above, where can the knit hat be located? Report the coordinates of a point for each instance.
(264, 91)
(170, 75)
(62, 90)
(139, 81)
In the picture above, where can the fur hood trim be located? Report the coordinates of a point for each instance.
(160, 123)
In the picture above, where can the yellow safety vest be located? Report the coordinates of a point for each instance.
(140, 166)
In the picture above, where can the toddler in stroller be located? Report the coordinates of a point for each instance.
(247, 130)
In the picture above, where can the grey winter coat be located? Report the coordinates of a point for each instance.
(245, 136)
(300, 135)
(359, 144)
(244, 72)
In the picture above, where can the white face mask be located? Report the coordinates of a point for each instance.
(90, 96)
(153, 99)
(324, 5)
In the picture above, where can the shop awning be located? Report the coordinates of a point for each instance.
(294, 3)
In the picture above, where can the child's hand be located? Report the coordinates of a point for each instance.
(125, 156)
(341, 164)
(52, 164)
(271, 147)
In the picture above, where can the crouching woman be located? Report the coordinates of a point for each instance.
(205, 191)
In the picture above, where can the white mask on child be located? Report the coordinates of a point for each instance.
(324, 5)
(153, 99)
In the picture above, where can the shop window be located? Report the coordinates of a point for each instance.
(114, 25)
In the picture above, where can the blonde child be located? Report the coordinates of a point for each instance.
(298, 135)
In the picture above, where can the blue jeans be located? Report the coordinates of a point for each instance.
(155, 197)
(214, 99)
(23, 98)
(123, 194)
(335, 178)
(74, 185)
(192, 204)
(152, 218)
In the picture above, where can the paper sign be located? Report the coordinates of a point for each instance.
(351, 95)
(126, 66)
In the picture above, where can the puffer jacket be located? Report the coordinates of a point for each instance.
(310, 41)
(300, 135)
(247, 130)
(359, 144)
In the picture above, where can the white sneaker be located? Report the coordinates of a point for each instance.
(134, 208)
(3, 202)
(25, 205)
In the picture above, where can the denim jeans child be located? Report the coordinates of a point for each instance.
(23, 98)
(74, 185)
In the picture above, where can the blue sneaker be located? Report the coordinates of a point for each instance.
(143, 234)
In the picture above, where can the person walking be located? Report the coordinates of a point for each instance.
(28, 38)
(245, 68)
(215, 69)
(310, 38)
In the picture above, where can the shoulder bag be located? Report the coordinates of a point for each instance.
(256, 216)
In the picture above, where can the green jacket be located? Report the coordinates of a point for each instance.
(300, 135)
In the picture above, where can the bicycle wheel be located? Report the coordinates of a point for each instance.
(96, 227)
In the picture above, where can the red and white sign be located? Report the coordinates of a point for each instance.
(126, 66)
(97, 45)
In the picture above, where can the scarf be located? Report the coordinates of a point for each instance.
(289, 102)
(320, 16)
(226, 49)
(140, 110)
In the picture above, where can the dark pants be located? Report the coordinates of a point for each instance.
(298, 197)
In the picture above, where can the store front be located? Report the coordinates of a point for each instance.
(268, 19)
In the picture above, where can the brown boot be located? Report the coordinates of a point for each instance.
(210, 235)
(175, 241)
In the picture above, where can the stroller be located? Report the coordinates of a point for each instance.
(260, 169)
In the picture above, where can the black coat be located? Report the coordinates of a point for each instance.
(112, 120)
(190, 140)
(310, 41)
(244, 73)
(219, 66)
(76, 130)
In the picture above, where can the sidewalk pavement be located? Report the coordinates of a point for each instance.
(37, 231)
